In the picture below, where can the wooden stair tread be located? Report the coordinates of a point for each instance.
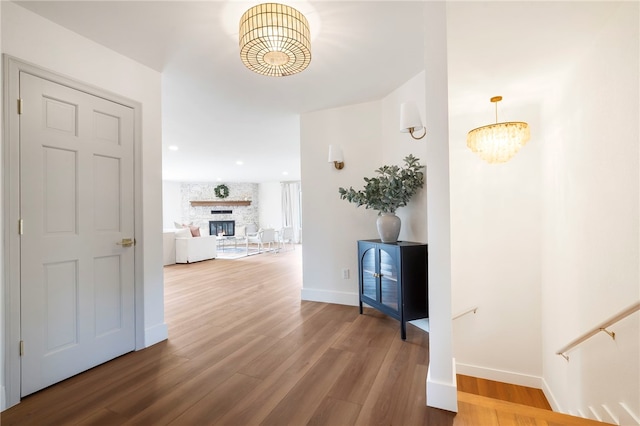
(504, 391)
(496, 411)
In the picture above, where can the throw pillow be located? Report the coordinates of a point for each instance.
(195, 231)
(182, 225)
(240, 231)
(183, 233)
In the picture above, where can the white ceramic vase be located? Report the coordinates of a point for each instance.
(388, 227)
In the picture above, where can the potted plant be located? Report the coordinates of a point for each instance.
(392, 188)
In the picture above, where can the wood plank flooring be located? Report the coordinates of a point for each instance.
(503, 391)
(244, 350)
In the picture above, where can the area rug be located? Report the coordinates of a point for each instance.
(237, 252)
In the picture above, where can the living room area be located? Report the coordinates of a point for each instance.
(545, 245)
(208, 220)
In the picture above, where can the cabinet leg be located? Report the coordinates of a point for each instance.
(403, 330)
(361, 308)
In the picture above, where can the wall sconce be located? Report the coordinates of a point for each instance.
(410, 120)
(335, 157)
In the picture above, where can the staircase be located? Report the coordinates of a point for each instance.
(485, 403)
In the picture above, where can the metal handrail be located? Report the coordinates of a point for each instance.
(597, 329)
(463, 313)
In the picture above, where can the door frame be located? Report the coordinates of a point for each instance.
(11, 211)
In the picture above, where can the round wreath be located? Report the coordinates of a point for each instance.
(222, 191)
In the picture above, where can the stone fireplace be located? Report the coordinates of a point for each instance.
(200, 205)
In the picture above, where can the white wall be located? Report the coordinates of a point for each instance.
(547, 244)
(370, 137)
(36, 40)
(333, 226)
(441, 377)
(270, 212)
(3, 399)
(397, 146)
(171, 204)
(495, 232)
(590, 221)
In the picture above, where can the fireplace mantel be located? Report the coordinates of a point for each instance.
(221, 203)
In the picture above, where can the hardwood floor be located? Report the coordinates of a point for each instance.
(503, 391)
(244, 350)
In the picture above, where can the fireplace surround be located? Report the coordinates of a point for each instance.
(224, 227)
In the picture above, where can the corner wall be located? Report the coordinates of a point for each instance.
(590, 222)
(525, 233)
(370, 137)
(495, 234)
(441, 384)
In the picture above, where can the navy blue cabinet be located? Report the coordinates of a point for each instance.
(392, 278)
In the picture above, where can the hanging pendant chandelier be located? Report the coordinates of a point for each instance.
(275, 40)
(497, 143)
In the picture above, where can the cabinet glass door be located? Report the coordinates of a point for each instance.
(369, 274)
(388, 280)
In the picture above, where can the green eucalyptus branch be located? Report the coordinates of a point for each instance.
(392, 188)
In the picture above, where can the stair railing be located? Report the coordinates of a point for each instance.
(465, 312)
(602, 327)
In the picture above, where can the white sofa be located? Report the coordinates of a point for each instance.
(194, 249)
(168, 247)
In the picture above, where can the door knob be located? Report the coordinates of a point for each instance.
(127, 242)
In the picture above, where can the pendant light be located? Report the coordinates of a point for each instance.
(499, 142)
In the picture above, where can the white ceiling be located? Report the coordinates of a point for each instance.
(217, 112)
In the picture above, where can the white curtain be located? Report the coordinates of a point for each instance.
(291, 209)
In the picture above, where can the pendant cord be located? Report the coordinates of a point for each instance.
(495, 100)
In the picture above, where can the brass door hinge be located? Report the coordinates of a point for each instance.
(20, 226)
(19, 106)
(21, 347)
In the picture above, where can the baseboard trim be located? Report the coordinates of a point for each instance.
(500, 375)
(155, 334)
(442, 395)
(327, 296)
(633, 417)
(3, 399)
(551, 398)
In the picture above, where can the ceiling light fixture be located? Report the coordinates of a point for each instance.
(275, 40)
(497, 143)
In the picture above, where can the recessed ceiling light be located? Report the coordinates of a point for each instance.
(239, 163)
(173, 148)
(219, 179)
(285, 173)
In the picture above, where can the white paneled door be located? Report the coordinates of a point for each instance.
(76, 204)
